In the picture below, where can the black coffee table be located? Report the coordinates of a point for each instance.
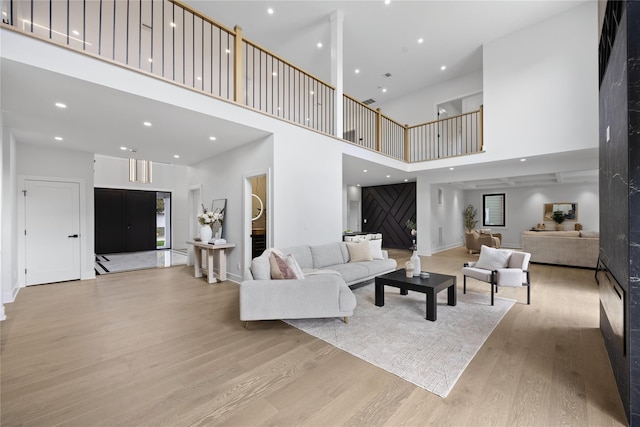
(429, 286)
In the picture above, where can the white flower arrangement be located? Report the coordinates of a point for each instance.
(210, 218)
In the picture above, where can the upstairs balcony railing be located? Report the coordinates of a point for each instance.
(175, 42)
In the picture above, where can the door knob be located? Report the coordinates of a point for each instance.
(73, 236)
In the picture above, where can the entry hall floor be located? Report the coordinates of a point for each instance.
(116, 263)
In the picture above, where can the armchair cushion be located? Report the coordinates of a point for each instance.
(477, 273)
(493, 259)
(510, 277)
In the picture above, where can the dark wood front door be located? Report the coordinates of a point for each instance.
(125, 220)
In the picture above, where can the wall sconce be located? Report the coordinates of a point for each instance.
(140, 171)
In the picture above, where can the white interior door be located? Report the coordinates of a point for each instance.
(52, 231)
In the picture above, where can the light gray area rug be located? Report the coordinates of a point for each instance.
(398, 338)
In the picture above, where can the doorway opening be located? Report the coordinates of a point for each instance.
(258, 215)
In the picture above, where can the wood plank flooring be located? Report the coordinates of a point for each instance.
(161, 348)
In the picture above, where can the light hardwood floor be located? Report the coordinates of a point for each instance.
(158, 347)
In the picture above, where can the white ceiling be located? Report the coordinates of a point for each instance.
(381, 38)
(378, 39)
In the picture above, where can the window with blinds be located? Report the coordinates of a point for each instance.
(493, 208)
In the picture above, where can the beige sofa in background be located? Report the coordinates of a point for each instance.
(571, 248)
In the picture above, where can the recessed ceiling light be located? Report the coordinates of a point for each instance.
(406, 180)
(227, 50)
(270, 11)
(420, 40)
(312, 93)
(212, 138)
(150, 59)
(147, 124)
(364, 170)
(444, 67)
(450, 169)
(523, 160)
(384, 89)
(357, 71)
(319, 45)
(61, 105)
(58, 138)
(274, 74)
(123, 148)
(388, 176)
(357, 185)
(76, 32)
(172, 24)
(387, 1)
(199, 78)
(176, 156)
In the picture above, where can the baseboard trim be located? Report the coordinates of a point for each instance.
(445, 248)
(9, 297)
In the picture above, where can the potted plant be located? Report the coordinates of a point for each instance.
(412, 226)
(469, 215)
(559, 217)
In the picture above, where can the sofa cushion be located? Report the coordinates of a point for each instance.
(359, 251)
(324, 255)
(379, 266)
(279, 268)
(260, 267)
(492, 259)
(589, 234)
(351, 272)
(302, 254)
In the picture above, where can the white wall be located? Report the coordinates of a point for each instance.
(9, 215)
(5, 225)
(447, 215)
(51, 163)
(352, 196)
(524, 208)
(420, 106)
(113, 172)
(222, 177)
(541, 87)
(308, 188)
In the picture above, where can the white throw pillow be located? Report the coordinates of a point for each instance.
(293, 265)
(359, 251)
(375, 246)
(493, 259)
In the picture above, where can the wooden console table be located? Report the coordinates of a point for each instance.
(210, 258)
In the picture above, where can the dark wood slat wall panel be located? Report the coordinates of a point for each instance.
(386, 209)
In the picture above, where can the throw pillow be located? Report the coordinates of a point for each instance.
(293, 265)
(279, 268)
(375, 246)
(359, 251)
(492, 259)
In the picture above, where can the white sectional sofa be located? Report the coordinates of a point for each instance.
(571, 248)
(323, 292)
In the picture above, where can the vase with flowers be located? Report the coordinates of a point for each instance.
(210, 220)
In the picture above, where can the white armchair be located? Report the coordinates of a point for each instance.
(499, 267)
